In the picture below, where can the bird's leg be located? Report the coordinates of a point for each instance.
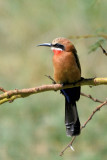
(82, 78)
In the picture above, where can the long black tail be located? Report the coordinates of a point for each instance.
(72, 122)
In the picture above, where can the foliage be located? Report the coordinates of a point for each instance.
(96, 45)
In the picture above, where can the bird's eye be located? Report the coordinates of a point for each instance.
(57, 45)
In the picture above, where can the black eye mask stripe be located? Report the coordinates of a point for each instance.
(57, 45)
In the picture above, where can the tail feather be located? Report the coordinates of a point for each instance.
(72, 122)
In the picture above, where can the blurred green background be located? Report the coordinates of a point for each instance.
(33, 128)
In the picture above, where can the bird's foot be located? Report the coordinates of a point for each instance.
(72, 83)
(80, 80)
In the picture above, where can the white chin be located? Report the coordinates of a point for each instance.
(58, 49)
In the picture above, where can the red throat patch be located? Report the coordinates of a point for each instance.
(56, 51)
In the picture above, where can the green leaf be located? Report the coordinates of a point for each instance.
(96, 45)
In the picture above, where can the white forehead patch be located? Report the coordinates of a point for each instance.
(54, 48)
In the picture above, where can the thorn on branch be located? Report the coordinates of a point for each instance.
(69, 145)
(72, 148)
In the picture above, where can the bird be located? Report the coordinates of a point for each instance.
(67, 70)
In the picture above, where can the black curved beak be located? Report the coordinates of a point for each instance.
(45, 44)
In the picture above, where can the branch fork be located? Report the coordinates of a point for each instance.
(11, 95)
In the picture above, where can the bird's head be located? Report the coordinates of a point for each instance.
(59, 45)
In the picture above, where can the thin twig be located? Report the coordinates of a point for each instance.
(2, 89)
(70, 144)
(97, 109)
(53, 81)
(89, 36)
(104, 51)
(84, 125)
(89, 96)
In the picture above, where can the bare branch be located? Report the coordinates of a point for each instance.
(89, 36)
(11, 95)
(84, 125)
(89, 96)
(97, 109)
(21, 93)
